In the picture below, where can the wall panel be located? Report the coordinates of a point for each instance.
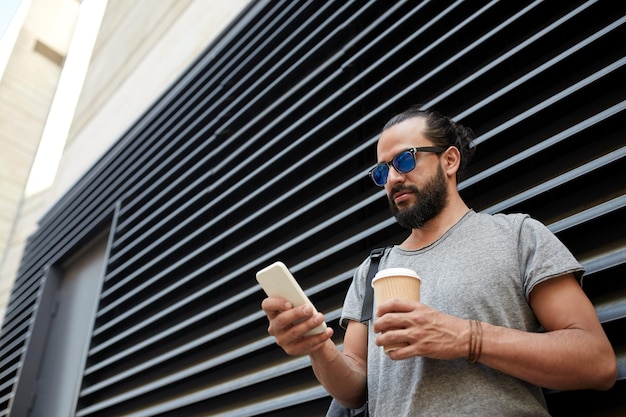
(260, 152)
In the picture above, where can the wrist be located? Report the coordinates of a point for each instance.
(475, 341)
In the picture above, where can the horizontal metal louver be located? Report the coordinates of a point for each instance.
(260, 152)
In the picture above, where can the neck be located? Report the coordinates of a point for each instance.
(436, 227)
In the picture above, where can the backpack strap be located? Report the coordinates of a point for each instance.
(368, 300)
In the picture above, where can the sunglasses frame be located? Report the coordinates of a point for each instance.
(392, 163)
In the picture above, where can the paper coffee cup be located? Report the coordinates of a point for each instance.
(392, 283)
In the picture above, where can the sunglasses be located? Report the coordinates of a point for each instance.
(404, 162)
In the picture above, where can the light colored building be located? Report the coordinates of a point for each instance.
(77, 75)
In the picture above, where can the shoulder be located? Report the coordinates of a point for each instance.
(499, 222)
(513, 221)
(504, 218)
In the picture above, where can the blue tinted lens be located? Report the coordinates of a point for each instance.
(379, 174)
(404, 162)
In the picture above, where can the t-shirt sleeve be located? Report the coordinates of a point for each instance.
(543, 256)
(353, 302)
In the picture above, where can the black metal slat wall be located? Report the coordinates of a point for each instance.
(260, 152)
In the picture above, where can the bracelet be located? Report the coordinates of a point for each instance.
(476, 341)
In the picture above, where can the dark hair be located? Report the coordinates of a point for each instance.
(442, 131)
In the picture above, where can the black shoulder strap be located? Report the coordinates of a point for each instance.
(368, 300)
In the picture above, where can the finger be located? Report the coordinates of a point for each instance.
(274, 305)
(391, 321)
(402, 353)
(294, 321)
(306, 345)
(390, 337)
(396, 305)
(301, 327)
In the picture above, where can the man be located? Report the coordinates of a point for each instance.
(502, 312)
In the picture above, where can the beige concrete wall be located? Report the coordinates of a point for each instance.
(27, 87)
(143, 46)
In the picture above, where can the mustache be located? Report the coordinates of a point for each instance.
(403, 188)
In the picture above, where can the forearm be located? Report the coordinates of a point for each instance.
(341, 375)
(562, 359)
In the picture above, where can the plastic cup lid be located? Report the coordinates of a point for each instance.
(390, 272)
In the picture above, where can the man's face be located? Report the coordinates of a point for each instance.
(431, 197)
(420, 195)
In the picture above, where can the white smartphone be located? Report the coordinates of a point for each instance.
(276, 280)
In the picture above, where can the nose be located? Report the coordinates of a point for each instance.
(394, 177)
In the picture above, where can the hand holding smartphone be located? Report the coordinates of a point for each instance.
(276, 280)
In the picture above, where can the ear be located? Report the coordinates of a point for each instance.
(451, 161)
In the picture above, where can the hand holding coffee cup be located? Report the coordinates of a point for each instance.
(392, 283)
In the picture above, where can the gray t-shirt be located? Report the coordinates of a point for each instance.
(483, 268)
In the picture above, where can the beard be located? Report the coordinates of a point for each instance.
(431, 200)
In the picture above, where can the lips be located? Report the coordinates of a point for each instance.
(401, 196)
